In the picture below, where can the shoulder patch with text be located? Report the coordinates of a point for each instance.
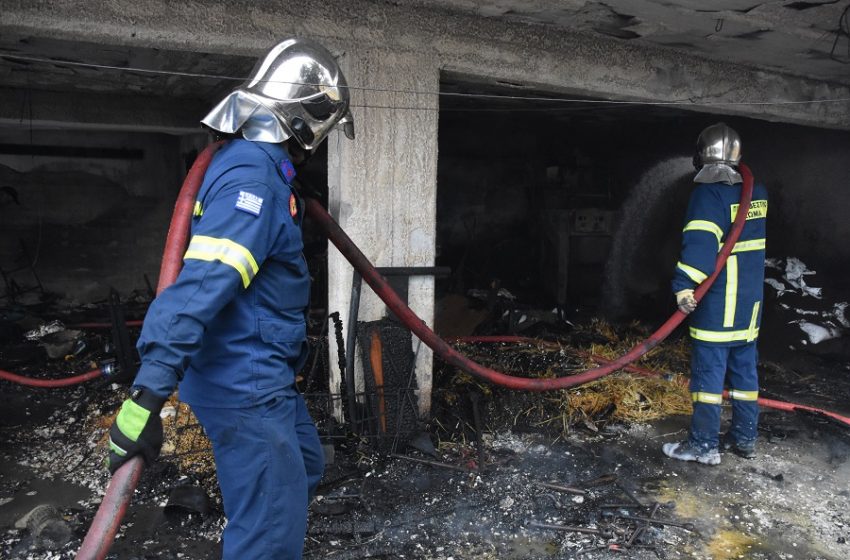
(249, 202)
(758, 209)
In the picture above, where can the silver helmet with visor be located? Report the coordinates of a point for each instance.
(296, 90)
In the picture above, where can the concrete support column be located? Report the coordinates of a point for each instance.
(383, 187)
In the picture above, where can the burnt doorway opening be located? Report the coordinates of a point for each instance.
(575, 208)
(530, 192)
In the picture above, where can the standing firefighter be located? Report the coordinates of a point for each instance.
(231, 329)
(725, 325)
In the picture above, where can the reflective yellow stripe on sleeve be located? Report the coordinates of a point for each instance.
(206, 248)
(707, 398)
(731, 292)
(199, 209)
(694, 274)
(704, 225)
(724, 336)
(744, 395)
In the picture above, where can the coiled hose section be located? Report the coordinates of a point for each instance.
(108, 518)
(445, 351)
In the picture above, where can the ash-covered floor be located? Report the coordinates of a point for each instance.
(793, 501)
(548, 476)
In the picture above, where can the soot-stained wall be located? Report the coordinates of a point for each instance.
(506, 177)
(493, 184)
(92, 208)
(805, 171)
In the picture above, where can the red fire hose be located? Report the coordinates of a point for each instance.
(106, 521)
(50, 383)
(131, 323)
(108, 518)
(767, 403)
(451, 356)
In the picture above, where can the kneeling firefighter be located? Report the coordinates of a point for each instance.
(725, 325)
(232, 328)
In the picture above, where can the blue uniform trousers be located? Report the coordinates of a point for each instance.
(711, 365)
(269, 461)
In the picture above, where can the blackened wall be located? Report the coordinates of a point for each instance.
(805, 171)
(91, 208)
(493, 174)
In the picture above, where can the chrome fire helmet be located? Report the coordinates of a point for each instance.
(295, 91)
(718, 143)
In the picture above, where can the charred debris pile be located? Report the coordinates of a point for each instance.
(494, 474)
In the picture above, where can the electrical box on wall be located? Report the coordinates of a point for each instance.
(574, 248)
(591, 221)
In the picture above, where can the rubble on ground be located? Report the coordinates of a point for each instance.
(534, 477)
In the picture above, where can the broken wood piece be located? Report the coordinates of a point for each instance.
(432, 463)
(561, 488)
(376, 361)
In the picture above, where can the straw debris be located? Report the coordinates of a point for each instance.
(624, 397)
(184, 440)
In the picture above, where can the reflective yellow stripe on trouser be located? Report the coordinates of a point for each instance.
(731, 292)
(744, 395)
(226, 251)
(707, 398)
(725, 336)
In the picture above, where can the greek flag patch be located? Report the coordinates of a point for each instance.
(249, 202)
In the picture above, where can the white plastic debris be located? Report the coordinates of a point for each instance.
(795, 269)
(44, 330)
(773, 263)
(776, 285)
(839, 311)
(818, 333)
(168, 412)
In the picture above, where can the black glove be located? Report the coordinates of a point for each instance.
(137, 429)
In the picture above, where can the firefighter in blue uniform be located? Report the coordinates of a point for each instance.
(725, 325)
(231, 329)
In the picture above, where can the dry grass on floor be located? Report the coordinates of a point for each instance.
(184, 441)
(618, 397)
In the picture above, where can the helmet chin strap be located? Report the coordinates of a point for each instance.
(297, 154)
(718, 173)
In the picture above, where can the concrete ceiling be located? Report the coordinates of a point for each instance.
(801, 37)
(808, 38)
(58, 76)
(804, 38)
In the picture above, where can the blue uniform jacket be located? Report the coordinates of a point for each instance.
(730, 313)
(234, 321)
